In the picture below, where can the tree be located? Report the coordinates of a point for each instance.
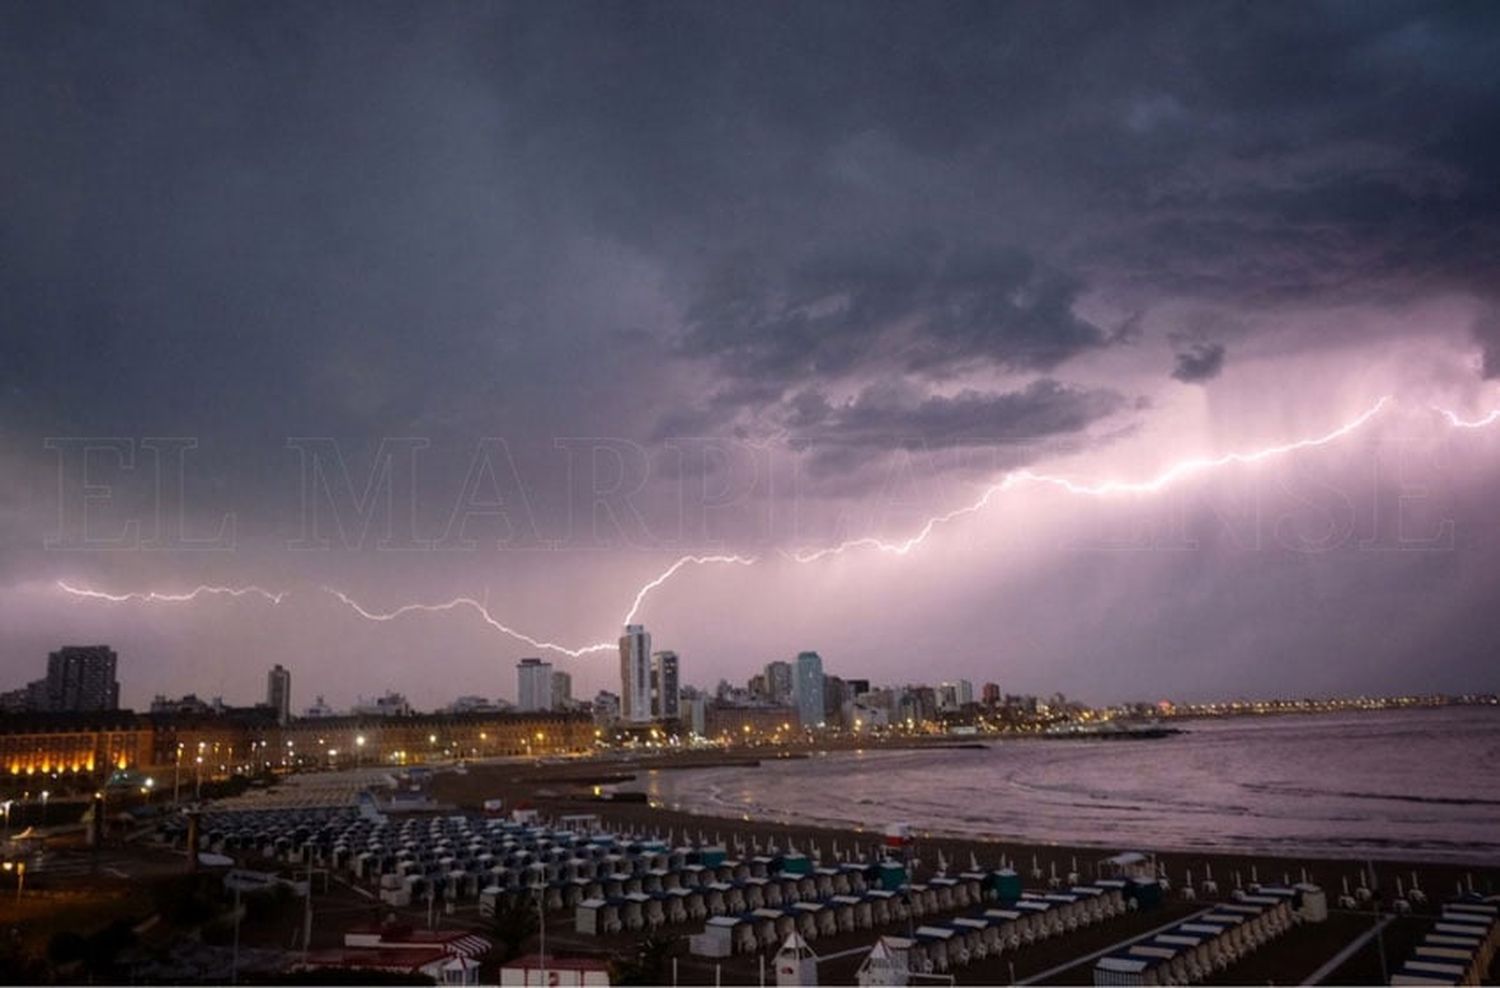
(514, 922)
(649, 964)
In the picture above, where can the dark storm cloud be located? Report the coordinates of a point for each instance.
(244, 221)
(1197, 362)
(373, 213)
(891, 415)
(915, 308)
(887, 417)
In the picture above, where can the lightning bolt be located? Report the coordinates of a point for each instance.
(1459, 423)
(1103, 488)
(671, 571)
(1010, 481)
(474, 605)
(171, 598)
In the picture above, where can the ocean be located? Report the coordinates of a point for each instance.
(1410, 784)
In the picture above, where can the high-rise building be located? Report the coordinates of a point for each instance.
(808, 689)
(834, 696)
(279, 692)
(990, 693)
(665, 685)
(857, 687)
(82, 678)
(533, 685)
(635, 674)
(606, 709)
(779, 687)
(694, 714)
(562, 690)
(757, 686)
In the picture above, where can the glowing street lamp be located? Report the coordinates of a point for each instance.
(45, 796)
(359, 750)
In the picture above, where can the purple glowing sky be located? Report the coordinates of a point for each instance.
(646, 281)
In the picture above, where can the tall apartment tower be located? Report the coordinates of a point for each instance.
(808, 688)
(779, 681)
(279, 692)
(533, 685)
(562, 690)
(635, 674)
(665, 686)
(82, 678)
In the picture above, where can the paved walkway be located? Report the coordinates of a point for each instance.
(1338, 959)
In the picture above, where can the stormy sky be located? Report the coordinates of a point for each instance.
(524, 302)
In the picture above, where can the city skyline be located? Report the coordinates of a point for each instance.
(1177, 377)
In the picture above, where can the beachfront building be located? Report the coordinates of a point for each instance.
(389, 704)
(665, 686)
(955, 696)
(533, 685)
(279, 692)
(81, 678)
(694, 706)
(248, 740)
(73, 744)
(808, 689)
(777, 685)
(606, 708)
(635, 674)
(734, 723)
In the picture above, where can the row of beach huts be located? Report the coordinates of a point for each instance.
(1459, 948)
(975, 923)
(1211, 941)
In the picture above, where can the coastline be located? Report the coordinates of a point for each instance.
(556, 789)
(561, 788)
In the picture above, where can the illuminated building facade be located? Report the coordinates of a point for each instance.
(248, 740)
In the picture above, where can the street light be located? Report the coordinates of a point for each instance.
(45, 796)
(6, 806)
(359, 751)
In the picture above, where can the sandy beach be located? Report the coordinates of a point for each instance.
(572, 787)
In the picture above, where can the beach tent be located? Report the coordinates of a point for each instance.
(886, 964)
(1125, 969)
(719, 938)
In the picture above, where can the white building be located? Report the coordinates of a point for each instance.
(470, 704)
(808, 689)
(694, 713)
(319, 708)
(390, 705)
(635, 674)
(533, 685)
(779, 686)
